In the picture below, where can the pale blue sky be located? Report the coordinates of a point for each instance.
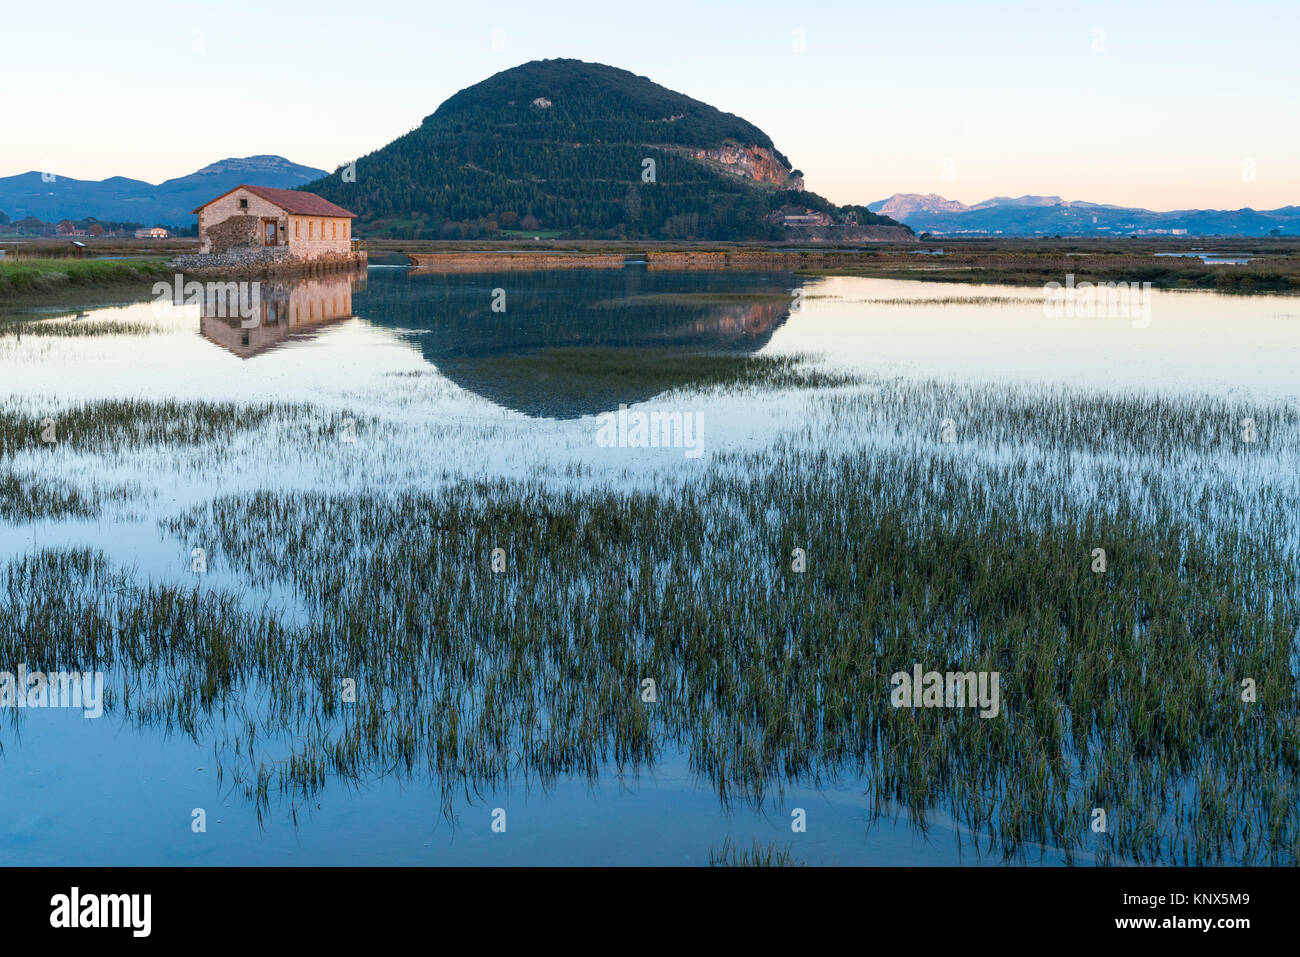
(1182, 104)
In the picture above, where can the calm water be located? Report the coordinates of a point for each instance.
(424, 364)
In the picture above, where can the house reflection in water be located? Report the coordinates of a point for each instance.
(289, 310)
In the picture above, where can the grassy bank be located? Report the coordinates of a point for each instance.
(25, 277)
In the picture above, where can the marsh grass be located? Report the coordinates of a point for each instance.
(24, 499)
(116, 424)
(76, 328)
(1119, 690)
(759, 855)
(1062, 420)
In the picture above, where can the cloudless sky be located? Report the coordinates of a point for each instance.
(1162, 105)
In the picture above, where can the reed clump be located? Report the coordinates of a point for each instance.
(111, 424)
(68, 328)
(731, 854)
(23, 498)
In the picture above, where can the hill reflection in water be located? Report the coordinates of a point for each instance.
(576, 342)
(567, 343)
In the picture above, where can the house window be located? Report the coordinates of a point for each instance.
(243, 204)
(345, 230)
(311, 229)
(334, 230)
(296, 224)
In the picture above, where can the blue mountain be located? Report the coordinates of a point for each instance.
(1053, 216)
(121, 199)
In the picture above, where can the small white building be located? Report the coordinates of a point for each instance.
(309, 226)
(152, 232)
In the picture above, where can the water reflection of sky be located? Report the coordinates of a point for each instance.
(399, 322)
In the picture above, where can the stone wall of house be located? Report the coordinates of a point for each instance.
(319, 237)
(228, 206)
(233, 233)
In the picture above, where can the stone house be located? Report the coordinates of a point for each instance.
(305, 226)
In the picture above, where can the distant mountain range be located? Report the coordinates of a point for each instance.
(590, 150)
(1052, 216)
(119, 199)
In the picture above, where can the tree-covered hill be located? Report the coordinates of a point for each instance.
(561, 146)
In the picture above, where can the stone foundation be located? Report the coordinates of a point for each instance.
(264, 262)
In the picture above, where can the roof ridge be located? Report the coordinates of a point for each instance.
(295, 201)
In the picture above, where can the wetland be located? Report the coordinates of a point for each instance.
(362, 575)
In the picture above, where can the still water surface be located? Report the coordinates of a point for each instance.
(422, 363)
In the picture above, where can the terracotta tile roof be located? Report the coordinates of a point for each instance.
(291, 201)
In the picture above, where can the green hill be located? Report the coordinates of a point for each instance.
(561, 146)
